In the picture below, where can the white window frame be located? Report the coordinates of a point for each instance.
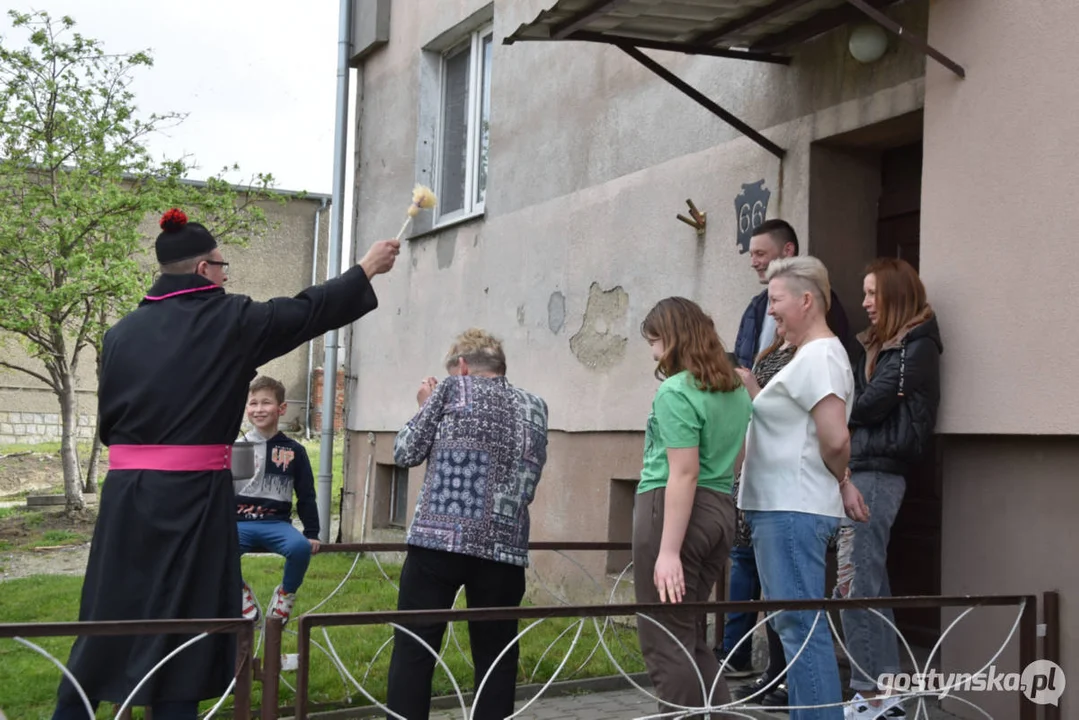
(473, 135)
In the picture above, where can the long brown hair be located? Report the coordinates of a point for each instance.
(900, 298)
(690, 343)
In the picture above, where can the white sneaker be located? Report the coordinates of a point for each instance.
(860, 709)
(249, 609)
(281, 605)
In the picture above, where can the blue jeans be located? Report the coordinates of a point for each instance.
(281, 538)
(791, 549)
(863, 573)
(744, 585)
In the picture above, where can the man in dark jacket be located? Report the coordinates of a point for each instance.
(775, 239)
(172, 388)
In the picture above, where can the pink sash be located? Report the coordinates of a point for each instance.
(180, 458)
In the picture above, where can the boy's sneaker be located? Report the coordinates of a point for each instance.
(249, 609)
(860, 709)
(281, 605)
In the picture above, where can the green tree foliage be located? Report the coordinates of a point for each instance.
(76, 183)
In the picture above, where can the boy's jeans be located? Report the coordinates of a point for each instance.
(281, 538)
(863, 573)
(790, 549)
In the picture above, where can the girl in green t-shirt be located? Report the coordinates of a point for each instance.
(684, 517)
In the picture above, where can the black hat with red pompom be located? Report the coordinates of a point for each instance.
(180, 239)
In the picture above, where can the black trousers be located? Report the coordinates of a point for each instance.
(430, 580)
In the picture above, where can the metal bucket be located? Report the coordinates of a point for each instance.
(243, 460)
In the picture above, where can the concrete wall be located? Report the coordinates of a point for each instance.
(999, 213)
(277, 264)
(591, 157)
(588, 474)
(35, 427)
(280, 264)
(1009, 514)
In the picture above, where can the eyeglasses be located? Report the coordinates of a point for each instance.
(221, 264)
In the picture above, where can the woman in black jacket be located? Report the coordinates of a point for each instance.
(897, 390)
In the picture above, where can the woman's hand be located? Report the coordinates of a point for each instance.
(853, 502)
(426, 388)
(749, 380)
(668, 577)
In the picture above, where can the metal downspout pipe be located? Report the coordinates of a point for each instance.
(333, 266)
(311, 343)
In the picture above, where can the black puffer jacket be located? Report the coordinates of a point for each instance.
(895, 411)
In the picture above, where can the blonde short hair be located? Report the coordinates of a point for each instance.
(479, 349)
(806, 273)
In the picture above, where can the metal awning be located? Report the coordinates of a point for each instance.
(752, 30)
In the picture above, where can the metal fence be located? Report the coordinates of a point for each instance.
(268, 670)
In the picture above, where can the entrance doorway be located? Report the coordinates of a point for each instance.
(914, 551)
(865, 202)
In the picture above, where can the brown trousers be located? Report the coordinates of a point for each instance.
(704, 556)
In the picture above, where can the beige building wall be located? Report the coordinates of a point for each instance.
(586, 494)
(1009, 518)
(279, 263)
(590, 160)
(999, 213)
(591, 157)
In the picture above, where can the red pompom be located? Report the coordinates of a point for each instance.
(173, 220)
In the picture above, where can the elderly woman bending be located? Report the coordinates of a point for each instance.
(795, 487)
(485, 444)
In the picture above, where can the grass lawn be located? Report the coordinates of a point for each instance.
(45, 448)
(23, 528)
(314, 454)
(28, 682)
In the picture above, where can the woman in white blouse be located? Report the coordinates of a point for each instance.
(795, 486)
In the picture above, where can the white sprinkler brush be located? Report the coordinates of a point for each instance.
(422, 199)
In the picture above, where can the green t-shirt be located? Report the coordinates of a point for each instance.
(683, 417)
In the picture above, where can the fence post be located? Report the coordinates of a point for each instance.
(1028, 650)
(245, 647)
(271, 668)
(1051, 644)
(303, 650)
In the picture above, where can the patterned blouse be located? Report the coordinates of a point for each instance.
(485, 444)
(765, 370)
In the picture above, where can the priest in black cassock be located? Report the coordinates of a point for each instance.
(173, 384)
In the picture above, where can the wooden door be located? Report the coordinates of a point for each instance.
(914, 552)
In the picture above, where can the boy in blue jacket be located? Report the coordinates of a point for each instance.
(264, 503)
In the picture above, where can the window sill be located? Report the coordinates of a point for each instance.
(448, 224)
